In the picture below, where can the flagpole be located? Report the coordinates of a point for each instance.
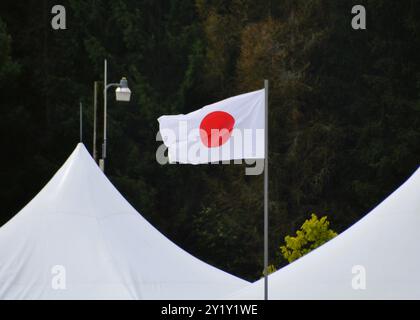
(81, 122)
(266, 195)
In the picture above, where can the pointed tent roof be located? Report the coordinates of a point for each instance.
(382, 249)
(80, 230)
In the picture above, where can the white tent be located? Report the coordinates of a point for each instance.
(376, 258)
(80, 239)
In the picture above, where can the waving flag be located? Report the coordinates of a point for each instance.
(227, 130)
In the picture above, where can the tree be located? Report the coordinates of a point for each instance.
(313, 233)
(270, 269)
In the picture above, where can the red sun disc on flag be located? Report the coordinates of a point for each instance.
(216, 128)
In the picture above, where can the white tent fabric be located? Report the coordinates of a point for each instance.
(376, 258)
(79, 232)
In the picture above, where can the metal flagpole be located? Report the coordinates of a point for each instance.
(266, 195)
(81, 122)
(95, 111)
(102, 161)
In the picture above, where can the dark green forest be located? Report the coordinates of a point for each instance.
(344, 109)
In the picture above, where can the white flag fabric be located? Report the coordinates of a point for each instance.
(231, 129)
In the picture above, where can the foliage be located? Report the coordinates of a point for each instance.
(270, 269)
(313, 233)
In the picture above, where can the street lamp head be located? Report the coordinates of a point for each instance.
(123, 92)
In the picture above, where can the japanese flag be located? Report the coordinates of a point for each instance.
(227, 130)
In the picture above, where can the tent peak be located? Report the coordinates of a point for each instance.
(81, 145)
(81, 151)
(79, 221)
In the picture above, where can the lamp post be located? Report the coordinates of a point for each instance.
(122, 93)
